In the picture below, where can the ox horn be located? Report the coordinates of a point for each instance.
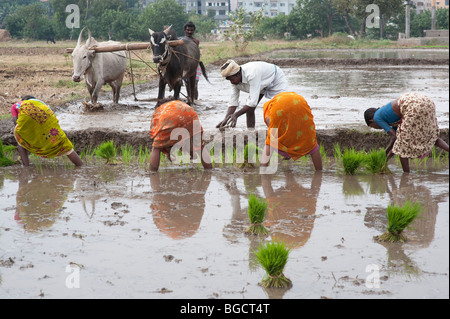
(80, 36)
(166, 30)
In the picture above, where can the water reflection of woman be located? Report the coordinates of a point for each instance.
(40, 198)
(178, 204)
(291, 208)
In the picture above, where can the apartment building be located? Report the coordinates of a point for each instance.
(424, 5)
(220, 8)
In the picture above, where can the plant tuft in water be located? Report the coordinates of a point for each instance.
(108, 151)
(352, 160)
(273, 257)
(4, 159)
(257, 209)
(400, 218)
(376, 162)
(250, 155)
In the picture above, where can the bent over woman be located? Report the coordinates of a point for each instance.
(167, 119)
(412, 125)
(295, 134)
(37, 131)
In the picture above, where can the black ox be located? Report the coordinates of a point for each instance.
(176, 61)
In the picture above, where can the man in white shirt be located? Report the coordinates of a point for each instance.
(257, 78)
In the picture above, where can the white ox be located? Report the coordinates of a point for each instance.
(98, 68)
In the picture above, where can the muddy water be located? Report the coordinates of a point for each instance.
(119, 232)
(338, 96)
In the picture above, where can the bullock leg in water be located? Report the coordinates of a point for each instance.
(90, 88)
(176, 90)
(115, 86)
(161, 91)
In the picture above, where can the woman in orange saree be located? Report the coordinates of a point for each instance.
(176, 123)
(291, 129)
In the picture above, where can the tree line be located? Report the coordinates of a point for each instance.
(128, 20)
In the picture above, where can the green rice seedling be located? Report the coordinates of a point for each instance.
(5, 160)
(250, 150)
(108, 151)
(337, 153)
(127, 152)
(376, 162)
(352, 160)
(143, 154)
(323, 153)
(273, 257)
(400, 218)
(257, 210)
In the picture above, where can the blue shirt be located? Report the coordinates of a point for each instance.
(385, 116)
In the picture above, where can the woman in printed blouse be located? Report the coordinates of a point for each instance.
(412, 125)
(37, 131)
(176, 123)
(295, 134)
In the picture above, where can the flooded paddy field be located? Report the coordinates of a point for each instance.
(121, 232)
(104, 231)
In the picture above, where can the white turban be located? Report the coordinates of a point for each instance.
(229, 68)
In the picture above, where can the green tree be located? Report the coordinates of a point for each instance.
(159, 14)
(311, 17)
(273, 27)
(30, 21)
(243, 26)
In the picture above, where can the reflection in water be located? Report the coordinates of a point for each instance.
(421, 232)
(291, 209)
(179, 201)
(41, 196)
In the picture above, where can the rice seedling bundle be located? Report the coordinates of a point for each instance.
(376, 162)
(352, 160)
(257, 210)
(273, 258)
(400, 218)
(4, 159)
(108, 151)
(250, 154)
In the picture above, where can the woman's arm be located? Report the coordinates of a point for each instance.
(393, 136)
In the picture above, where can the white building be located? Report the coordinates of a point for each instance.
(424, 5)
(220, 8)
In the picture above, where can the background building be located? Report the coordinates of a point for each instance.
(220, 8)
(423, 5)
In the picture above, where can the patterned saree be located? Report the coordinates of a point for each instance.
(291, 115)
(38, 130)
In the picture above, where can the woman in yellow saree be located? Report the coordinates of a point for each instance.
(291, 129)
(37, 131)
